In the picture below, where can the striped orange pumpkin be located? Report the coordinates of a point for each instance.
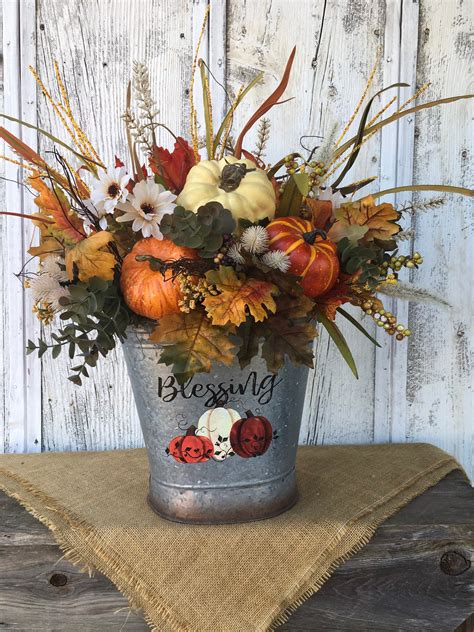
(311, 257)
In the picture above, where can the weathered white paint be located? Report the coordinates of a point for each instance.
(441, 354)
(21, 376)
(97, 66)
(396, 169)
(420, 391)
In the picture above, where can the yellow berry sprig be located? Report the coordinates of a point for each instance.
(315, 170)
(392, 266)
(384, 319)
(43, 312)
(193, 291)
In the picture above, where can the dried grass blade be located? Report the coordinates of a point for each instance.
(361, 132)
(426, 187)
(21, 148)
(131, 145)
(267, 104)
(55, 140)
(230, 113)
(398, 115)
(206, 99)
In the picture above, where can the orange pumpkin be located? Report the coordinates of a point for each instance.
(148, 292)
(311, 257)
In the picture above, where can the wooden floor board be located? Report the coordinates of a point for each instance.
(415, 575)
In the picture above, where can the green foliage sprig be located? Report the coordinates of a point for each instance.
(97, 319)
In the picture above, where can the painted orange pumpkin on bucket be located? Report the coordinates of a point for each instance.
(311, 257)
(191, 449)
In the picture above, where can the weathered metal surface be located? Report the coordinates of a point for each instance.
(235, 489)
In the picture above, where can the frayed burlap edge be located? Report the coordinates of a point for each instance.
(135, 591)
(339, 549)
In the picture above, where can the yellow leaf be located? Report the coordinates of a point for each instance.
(378, 221)
(238, 294)
(48, 243)
(191, 343)
(54, 205)
(91, 259)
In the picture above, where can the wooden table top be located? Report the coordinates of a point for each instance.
(417, 573)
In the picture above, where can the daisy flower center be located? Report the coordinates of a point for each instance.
(147, 207)
(113, 190)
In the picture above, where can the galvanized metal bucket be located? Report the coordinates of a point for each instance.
(222, 447)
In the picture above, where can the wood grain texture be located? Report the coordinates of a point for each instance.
(20, 378)
(3, 393)
(395, 583)
(397, 144)
(420, 391)
(441, 354)
(467, 626)
(97, 63)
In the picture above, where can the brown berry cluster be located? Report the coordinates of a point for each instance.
(374, 308)
(193, 291)
(221, 256)
(392, 266)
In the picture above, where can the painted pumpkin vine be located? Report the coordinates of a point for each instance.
(222, 433)
(228, 256)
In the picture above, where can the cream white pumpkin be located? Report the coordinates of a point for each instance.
(250, 197)
(215, 424)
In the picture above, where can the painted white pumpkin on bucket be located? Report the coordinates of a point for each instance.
(216, 424)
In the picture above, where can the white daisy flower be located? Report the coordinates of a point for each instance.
(235, 255)
(255, 239)
(46, 287)
(98, 211)
(146, 206)
(277, 259)
(110, 189)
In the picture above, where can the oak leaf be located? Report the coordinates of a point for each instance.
(290, 333)
(191, 343)
(90, 258)
(320, 210)
(250, 335)
(338, 295)
(48, 243)
(365, 220)
(238, 296)
(54, 204)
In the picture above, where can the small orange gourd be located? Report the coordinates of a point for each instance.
(148, 292)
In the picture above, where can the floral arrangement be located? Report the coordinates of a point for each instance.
(228, 256)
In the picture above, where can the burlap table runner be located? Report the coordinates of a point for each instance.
(233, 578)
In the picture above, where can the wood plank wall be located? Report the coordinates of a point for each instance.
(420, 391)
